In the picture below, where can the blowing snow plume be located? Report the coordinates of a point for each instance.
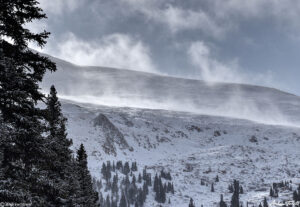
(125, 88)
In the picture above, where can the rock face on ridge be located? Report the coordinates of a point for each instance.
(112, 135)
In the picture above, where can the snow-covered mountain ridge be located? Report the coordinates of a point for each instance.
(181, 138)
(125, 88)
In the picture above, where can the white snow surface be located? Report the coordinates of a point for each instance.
(211, 145)
(125, 88)
(176, 124)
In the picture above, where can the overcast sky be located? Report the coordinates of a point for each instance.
(255, 41)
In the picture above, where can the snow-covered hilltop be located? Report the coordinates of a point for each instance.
(190, 128)
(116, 87)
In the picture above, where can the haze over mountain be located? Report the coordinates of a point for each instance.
(125, 88)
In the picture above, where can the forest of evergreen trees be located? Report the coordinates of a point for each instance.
(124, 184)
(37, 166)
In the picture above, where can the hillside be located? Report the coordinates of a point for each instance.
(115, 87)
(191, 147)
(192, 129)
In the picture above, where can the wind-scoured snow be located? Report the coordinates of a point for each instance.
(192, 147)
(195, 130)
(125, 88)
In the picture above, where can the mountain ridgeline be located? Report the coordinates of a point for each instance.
(126, 88)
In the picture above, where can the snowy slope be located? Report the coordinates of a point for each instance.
(181, 142)
(114, 87)
(193, 129)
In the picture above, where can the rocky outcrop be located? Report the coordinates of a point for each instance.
(112, 135)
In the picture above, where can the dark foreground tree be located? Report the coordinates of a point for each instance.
(24, 149)
(87, 196)
(61, 164)
(36, 165)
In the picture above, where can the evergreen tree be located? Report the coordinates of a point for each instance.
(133, 167)
(119, 166)
(114, 188)
(114, 167)
(191, 204)
(235, 197)
(60, 165)
(212, 188)
(265, 203)
(230, 188)
(24, 150)
(123, 202)
(222, 203)
(145, 189)
(241, 190)
(271, 192)
(126, 168)
(155, 186)
(140, 178)
(87, 196)
(160, 193)
(295, 196)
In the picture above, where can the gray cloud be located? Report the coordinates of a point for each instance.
(230, 40)
(58, 6)
(115, 50)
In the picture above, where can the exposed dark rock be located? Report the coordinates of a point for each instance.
(253, 139)
(112, 135)
(217, 133)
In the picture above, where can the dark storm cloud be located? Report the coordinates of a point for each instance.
(232, 40)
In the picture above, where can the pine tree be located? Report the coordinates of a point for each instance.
(140, 178)
(295, 196)
(24, 149)
(87, 196)
(60, 165)
(155, 186)
(133, 167)
(271, 192)
(235, 197)
(222, 203)
(212, 189)
(114, 188)
(160, 194)
(123, 202)
(126, 168)
(265, 203)
(241, 190)
(145, 188)
(191, 204)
